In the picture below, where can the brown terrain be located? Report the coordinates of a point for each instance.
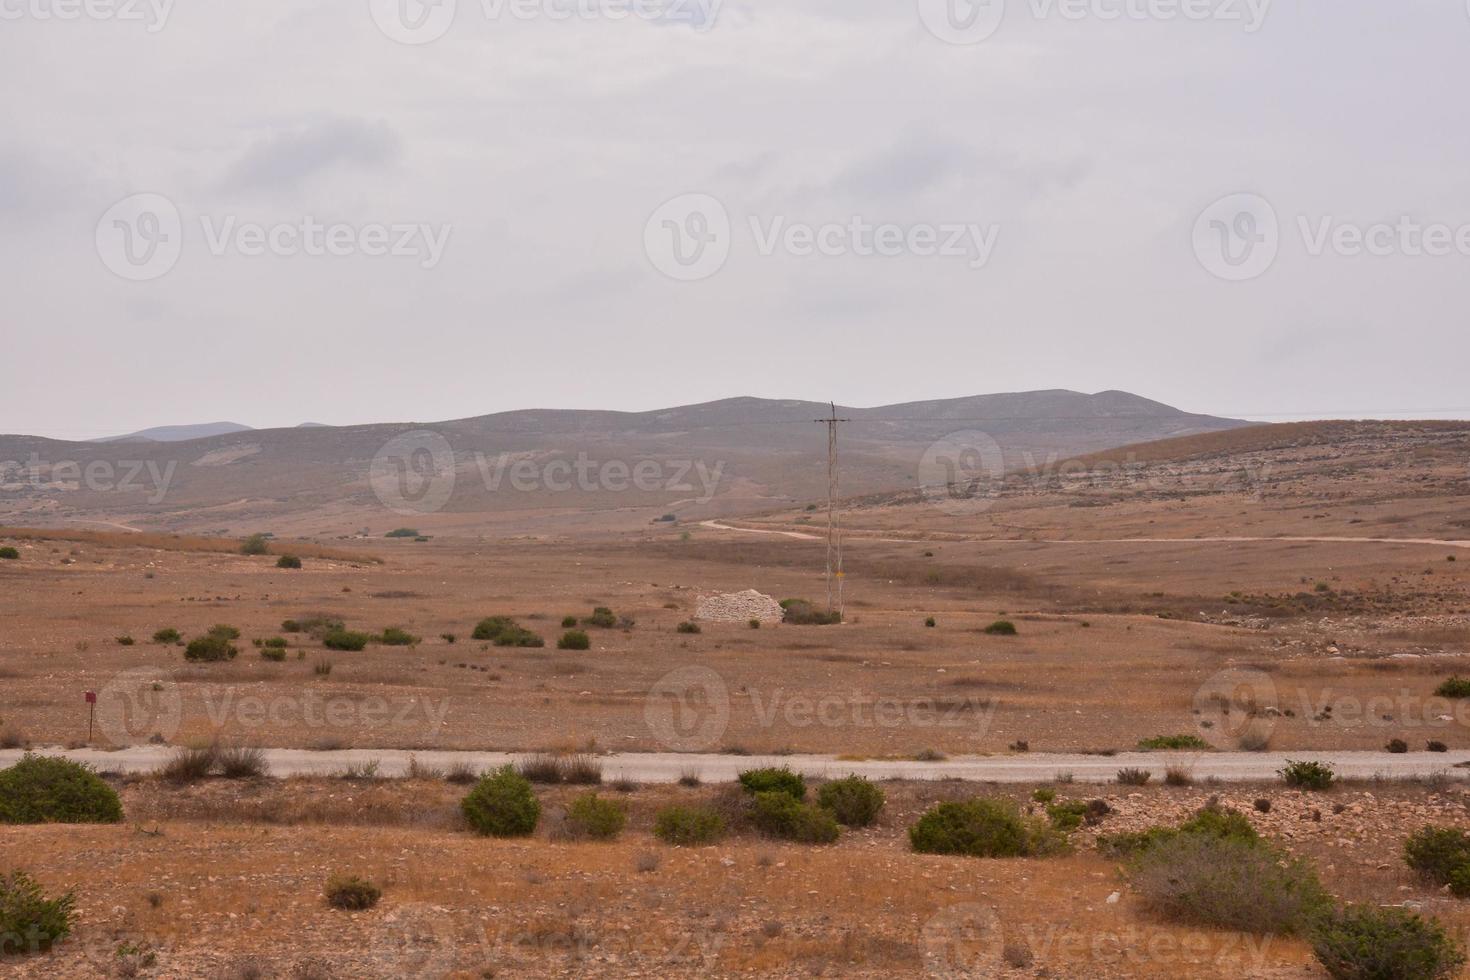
(1302, 587)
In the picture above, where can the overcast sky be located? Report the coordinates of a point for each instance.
(1072, 163)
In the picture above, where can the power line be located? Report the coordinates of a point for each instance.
(834, 534)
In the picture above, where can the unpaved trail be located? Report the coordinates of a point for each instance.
(668, 767)
(858, 534)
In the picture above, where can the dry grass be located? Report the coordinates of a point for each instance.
(184, 543)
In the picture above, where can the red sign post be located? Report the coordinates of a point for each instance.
(91, 697)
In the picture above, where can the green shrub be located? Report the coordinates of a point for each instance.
(1001, 627)
(167, 635)
(254, 545)
(189, 764)
(1221, 822)
(688, 627)
(273, 654)
(492, 626)
(574, 640)
(43, 789)
(395, 637)
(1043, 795)
(288, 561)
(9, 554)
(504, 632)
(240, 762)
(224, 631)
(591, 816)
(1308, 775)
(603, 617)
(782, 815)
(1455, 687)
(687, 825)
(781, 780)
(1441, 854)
(1067, 816)
(125, 640)
(1228, 883)
(578, 769)
(340, 639)
(1134, 777)
(502, 805)
(930, 623)
(854, 801)
(568, 622)
(210, 648)
(448, 637)
(983, 828)
(351, 893)
(800, 612)
(274, 643)
(1365, 942)
(403, 532)
(1133, 843)
(29, 921)
(1175, 743)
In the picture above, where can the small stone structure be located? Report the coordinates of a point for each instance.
(738, 607)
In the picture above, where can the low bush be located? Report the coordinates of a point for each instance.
(688, 627)
(779, 814)
(1228, 883)
(568, 622)
(29, 921)
(590, 816)
(1308, 775)
(254, 545)
(801, 612)
(351, 893)
(1172, 743)
(930, 623)
(1441, 854)
(1214, 821)
(402, 532)
(167, 635)
(505, 632)
(1455, 687)
(125, 640)
(188, 764)
(224, 631)
(288, 561)
(273, 654)
(603, 617)
(574, 640)
(1134, 777)
(688, 825)
(395, 637)
(1397, 746)
(43, 789)
(1435, 746)
(576, 770)
(1067, 816)
(340, 639)
(448, 637)
(983, 828)
(9, 554)
(502, 805)
(1366, 942)
(240, 762)
(210, 649)
(854, 801)
(781, 780)
(1001, 627)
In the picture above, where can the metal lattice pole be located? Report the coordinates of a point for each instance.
(834, 531)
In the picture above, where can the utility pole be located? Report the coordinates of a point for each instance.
(834, 533)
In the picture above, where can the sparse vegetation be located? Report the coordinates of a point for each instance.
(341, 639)
(983, 828)
(1397, 746)
(688, 627)
(351, 893)
(1441, 855)
(602, 617)
(1455, 687)
(1001, 627)
(29, 921)
(288, 561)
(801, 612)
(395, 637)
(8, 553)
(505, 632)
(502, 805)
(577, 770)
(1308, 775)
(44, 789)
(167, 635)
(781, 780)
(590, 816)
(779, 814)
(210, 648)
(1173, 743)
(854, 801)
(1134, 777)
(403, 532)
(1366, 942)
(688, 825)
(256, 544)
(574, 640)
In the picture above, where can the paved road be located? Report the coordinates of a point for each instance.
(861, 535)
(668, 767)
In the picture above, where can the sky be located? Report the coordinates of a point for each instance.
(374, 210)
